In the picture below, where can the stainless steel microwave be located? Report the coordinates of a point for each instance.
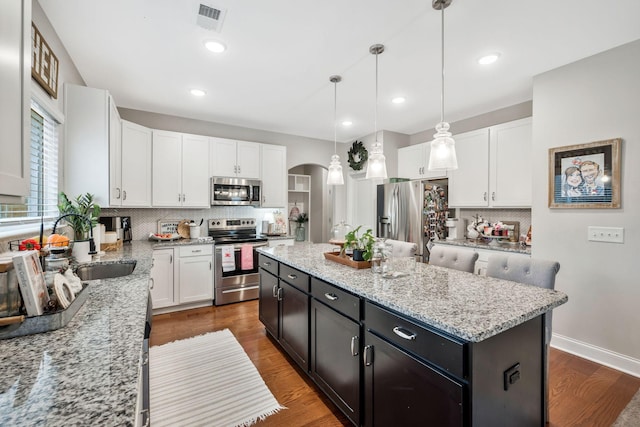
(226, 191)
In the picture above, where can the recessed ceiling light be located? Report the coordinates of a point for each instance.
(198, 92)
(215, 46)
(488, 59)
(347, 123)
(398, 100)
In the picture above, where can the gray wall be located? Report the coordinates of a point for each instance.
(592, 100)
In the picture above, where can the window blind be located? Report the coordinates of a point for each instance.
(42, 200)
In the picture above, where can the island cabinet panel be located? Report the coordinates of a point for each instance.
(401, 390)
(268, 300)
(336, 347)
(294, 315)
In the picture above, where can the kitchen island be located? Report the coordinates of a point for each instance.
(86, 373)
(446, 346)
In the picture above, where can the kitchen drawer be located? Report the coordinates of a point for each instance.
(429, 345)
(195, 250)
(268, 264)
(294, 277)
(336, 298)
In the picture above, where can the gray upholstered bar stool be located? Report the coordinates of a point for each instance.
(531, 271)
(402, 249)
(447, 256)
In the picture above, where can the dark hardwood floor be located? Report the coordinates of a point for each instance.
(581, 393)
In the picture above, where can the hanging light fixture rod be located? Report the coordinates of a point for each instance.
(376, 50)
(335, 79)
(376, 164)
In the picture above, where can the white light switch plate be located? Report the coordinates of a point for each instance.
(606, 234)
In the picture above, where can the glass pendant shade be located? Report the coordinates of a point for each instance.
(376, 164)
(335, 171)
(443, 149)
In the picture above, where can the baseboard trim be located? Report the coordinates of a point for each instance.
(600, 355)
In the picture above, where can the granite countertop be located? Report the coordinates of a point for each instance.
(465, 305)
(481, 244)
(85, 373)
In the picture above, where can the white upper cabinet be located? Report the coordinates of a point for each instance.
(135, 165)
(413, 162)
(274, 176)
(494, 168)
(15, 80)
(234, 158)
(180, 170)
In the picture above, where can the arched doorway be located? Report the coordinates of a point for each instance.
(317, 200)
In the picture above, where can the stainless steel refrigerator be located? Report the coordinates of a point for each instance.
(413, 211)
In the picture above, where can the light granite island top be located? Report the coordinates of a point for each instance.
(465, 305)
(85, 373)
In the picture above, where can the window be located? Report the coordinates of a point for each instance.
(42, 200)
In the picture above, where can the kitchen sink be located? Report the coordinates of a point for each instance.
(105, 271)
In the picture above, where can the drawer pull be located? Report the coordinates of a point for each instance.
(367, 355)
(354, 346)
(292, 276)
(195, 251)
(403, 333)
(266, 264)
(331, 297)
(274, 291)
(151, 282)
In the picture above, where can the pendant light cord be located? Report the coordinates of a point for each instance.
(335, 117)
(442, 7)
(375, 120)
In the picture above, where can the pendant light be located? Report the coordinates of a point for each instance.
(443, 148)
(376, 165)
(334, 177)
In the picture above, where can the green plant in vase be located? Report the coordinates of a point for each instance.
(301, 219)
(82, 213)
(362, 245)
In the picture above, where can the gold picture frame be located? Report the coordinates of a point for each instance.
(44, 63)
(585, 176)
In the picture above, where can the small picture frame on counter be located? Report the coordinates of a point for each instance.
(585, 176)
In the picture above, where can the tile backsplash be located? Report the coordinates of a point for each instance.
(523, 216)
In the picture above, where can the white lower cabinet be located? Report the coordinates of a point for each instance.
(162, 291)
(182, 277)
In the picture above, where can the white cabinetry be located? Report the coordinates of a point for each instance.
(413, 162)
(234, 158)
(135, 165)
(182, 277)
(15, 81)
(196, 273)
(162, 291)
(274, 176)
(104, 155)
(494, 168)
(180, 170)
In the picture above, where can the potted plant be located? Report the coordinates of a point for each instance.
(362, 245)
(83, 214)
(300, 231)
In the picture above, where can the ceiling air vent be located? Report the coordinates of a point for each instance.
(210, 18)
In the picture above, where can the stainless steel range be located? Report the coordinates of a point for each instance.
(236, 264)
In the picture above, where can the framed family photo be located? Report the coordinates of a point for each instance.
(585, 175)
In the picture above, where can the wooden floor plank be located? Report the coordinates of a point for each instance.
(581, 392)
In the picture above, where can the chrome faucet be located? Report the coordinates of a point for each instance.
(92, 243)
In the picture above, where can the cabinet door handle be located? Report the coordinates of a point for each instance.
(119, 193)
(151, 282)
(147, 418)
(403, 333)
(280, 294)
(179, 197)
(210, 266)
(184, 197)
(124, 195)
(367, 355)
(292, 276)
(493, 196)
(331, 297)
(274, 291)
(354, 346)
(485, 196)
(170, 259)
(239, 169)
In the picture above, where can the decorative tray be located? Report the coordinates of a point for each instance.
(48, 321)
(164, 237)
(346, 260)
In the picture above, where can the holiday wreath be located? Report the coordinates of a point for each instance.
(357, 155)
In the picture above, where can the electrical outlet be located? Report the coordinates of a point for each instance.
(605, 234)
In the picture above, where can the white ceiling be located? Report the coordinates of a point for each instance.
(275, 74)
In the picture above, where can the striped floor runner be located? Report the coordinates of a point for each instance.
(207, 380)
